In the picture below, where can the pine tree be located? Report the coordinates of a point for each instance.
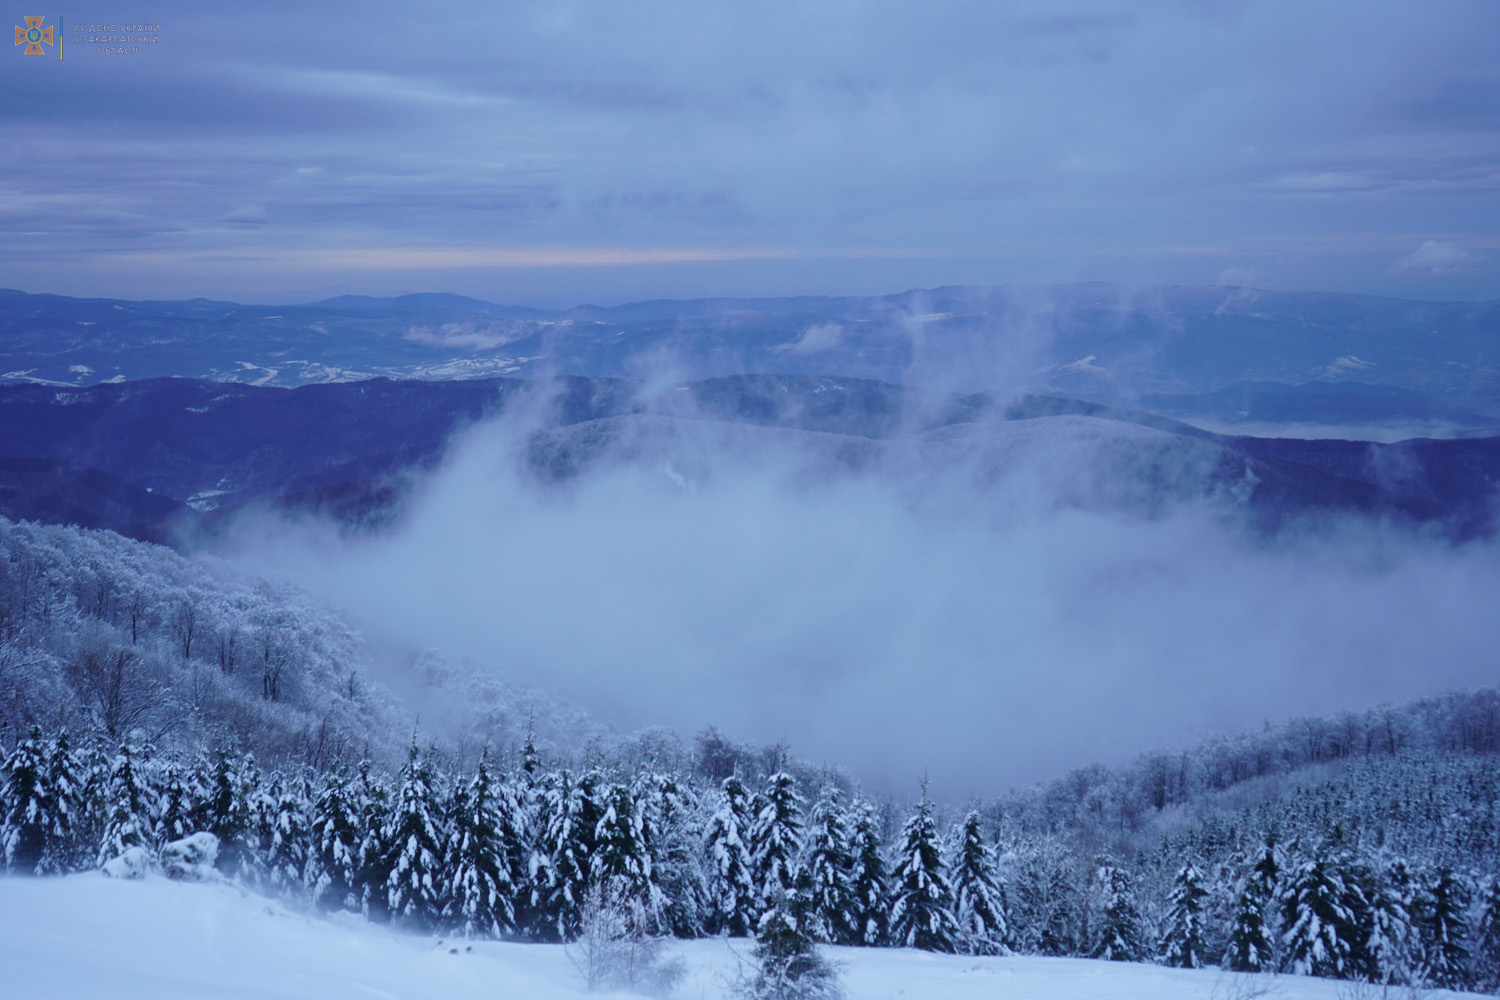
(179, 802)
(1250, 940)
(921, 898)
(978, 902)
(1119, 920)
(334, 840)
(570, 815)
(131, 818)
(1321, 911)
(371, 802)
(788, 965)
(1445, 930)
(228, 812)
(671, 840)
(1182, 944)
(621, 860)
(1487, 939)
(829, 869)
(66, 822)
(27, 807)
(870, 884)
(1391, 943)
(482, 900)
(288, 834)
(416, 844)
(731, 884)
(776, 839)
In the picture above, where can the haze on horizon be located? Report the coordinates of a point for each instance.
(563, 152)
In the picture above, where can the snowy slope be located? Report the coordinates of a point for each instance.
(90, 936)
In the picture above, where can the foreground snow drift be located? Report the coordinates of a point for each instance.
(91, 936)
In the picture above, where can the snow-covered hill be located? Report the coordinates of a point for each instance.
(91, 936)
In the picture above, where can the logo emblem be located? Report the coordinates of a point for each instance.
(33, 35)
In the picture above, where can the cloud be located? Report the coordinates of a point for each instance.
(993, 605)
(469, 335)
(816, 338)
(873, 144)
(1437, 258)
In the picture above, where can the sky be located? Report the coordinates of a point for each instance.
(562, 152)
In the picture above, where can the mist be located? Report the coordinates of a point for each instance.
(988, 605)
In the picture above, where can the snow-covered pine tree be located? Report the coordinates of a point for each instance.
(179, 803)
(1118, 934)
(833, 912)
(27, 807)
(869, 881)
(371, 803)
(1487, 938)
(227, 813)
(415, 840)
(570, 814)
(921, 898)
(978, 899)
(788, 965)
(1251, 941)
(776, 839)
(667, 811)
(481, 902)
(731, 883)
(68, 821)
(1445, 929)
(333, 855)
(1391, 942)
(287, 839)
(132, 818)
(1321, 911)
(621, 859)
(1182, 943)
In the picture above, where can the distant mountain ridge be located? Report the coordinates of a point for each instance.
(141, 457)
(1230, 354)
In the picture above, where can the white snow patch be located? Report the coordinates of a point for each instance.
(155, 939)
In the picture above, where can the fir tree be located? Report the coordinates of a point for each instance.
(372, 804)
(1119, 920)
(978, 902)
(1321, 911)
(833, 910)
(1445, 930)
(415, 841)
(179, 803)
(287, 837)
(776, 838)
(27, 807)
(788, 965)
(333, 857)
(1250, 940)
(131, 818)
(228, 813)
(1390, 939)
(482, 901)
(731, 884)
(1182, 944)
(921, 898)
(570, 815)
(1487, 938)
(620, 856)
(671, 840)
(869, 883)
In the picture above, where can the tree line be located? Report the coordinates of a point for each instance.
(515, 852)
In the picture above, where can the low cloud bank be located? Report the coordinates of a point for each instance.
(988, 622)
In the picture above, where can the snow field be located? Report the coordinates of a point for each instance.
(88, 937)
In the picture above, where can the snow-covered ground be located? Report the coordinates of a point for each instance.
(87, 937)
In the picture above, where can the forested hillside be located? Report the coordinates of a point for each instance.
(145, 697)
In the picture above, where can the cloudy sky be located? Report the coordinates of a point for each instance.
(557, 152)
